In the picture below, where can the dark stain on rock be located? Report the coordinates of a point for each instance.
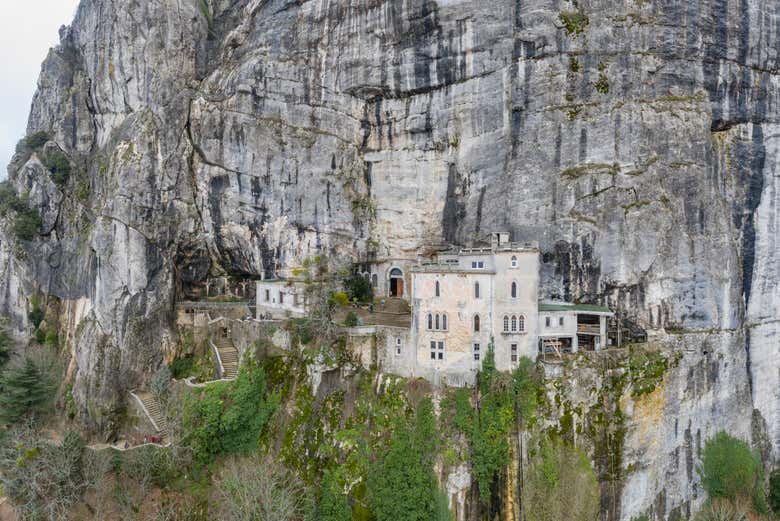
(454, 205)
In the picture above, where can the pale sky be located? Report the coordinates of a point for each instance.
(27, 30)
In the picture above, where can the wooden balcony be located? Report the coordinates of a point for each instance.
(588, 329)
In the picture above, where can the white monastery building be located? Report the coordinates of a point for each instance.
(461, 299)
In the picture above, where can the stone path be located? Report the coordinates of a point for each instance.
(154, 412)
(228, 356)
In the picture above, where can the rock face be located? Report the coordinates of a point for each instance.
(636, 141)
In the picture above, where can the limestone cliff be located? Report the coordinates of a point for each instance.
(637, 141)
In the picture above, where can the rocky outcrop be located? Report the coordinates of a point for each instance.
(636, 141)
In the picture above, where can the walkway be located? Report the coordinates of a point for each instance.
(228, 357)
(154, 412)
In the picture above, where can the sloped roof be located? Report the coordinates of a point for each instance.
(567, 306)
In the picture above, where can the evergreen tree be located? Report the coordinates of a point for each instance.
(23, 390)
(403, 485)
(334, 505)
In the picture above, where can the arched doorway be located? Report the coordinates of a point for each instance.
(396, 283)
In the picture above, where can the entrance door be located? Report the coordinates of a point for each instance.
(396, 283)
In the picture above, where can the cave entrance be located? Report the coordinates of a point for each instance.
(396, 283)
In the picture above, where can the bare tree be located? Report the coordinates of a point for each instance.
(260, 489)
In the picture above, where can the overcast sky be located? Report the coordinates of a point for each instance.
(27, 30)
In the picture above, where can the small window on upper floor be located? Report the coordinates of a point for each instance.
(513, 352)
(514, 261)
(521, 323)
(547, 322)
(438, 323)
(477, 265)
(476, 352)
(514, 323)
(476, 323)
(281, 298)
(514, 289)
(444, 322)
(438, 289)
(506, 323)
(476, 290)
(267, 295)
(430, 321)
(560, 321)
(398, 340)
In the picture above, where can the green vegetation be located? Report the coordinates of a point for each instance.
(574, 64)
(402, 484)
(505, 401)
(602, 84)
(573, 22)
(730, 470)
(646, 369)
(26, 389)
(351, 320)
(359, 288)
(774, 491)
(26, 221)
(205, 10)
(36, 314)
(36, 140)
(58, 164)
(556, 469)
(333, 504)
(228, 417)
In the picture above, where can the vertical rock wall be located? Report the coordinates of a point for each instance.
(636, 141)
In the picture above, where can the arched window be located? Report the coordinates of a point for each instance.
(476, 290)
(438, 292)
(514, 261)
(430, 321)
(476, 323)
(444, 322)
(506, 323)
(374, 280)
(514, 323)
(521, 323)
(438, 324)
(514, 289)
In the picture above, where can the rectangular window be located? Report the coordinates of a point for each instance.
(281, 298)
(441, 350)
(476, 352)
(547, 322)
(437, 350)
(560, 321)
(267, 295)
(513, 353)
(480, 265)
(474, 264)
(433, 350)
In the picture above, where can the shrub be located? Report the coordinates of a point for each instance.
(182, 367)
(358, 288)
(36, 314)
(6, 344)
(229, 417)
(36, 140)
(602, 85)
(57, 163)
(340, 299)
(351, 320)
(730, 469)
(555, 470)
(574, 22)
(51, 339)
(333, 504)
(27, 224)
(161, 382)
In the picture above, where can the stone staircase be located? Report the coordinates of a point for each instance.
(154, 412)
(228, 355)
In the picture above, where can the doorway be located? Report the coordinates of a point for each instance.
(396, 283)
